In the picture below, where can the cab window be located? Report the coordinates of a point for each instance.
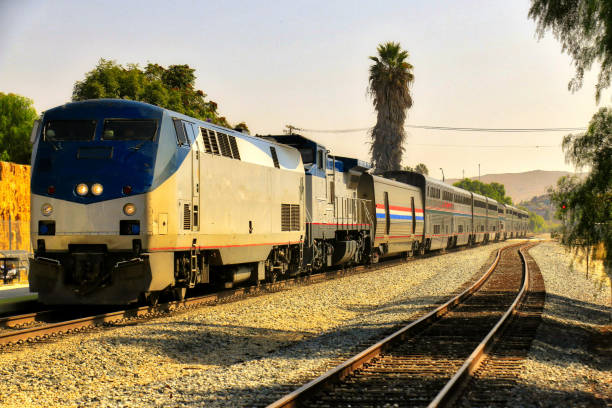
(129, 129)
(69, 130)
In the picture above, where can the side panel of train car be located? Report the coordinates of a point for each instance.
(492, 220)
(399, 221)
(479, 219)
(512, 221)
(503, 227)
(448, 210)
(129, 199)
(338, 223)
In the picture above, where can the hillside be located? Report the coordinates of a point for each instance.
(542, 206)
(523, 186)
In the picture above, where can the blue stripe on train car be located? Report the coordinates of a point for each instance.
(399, 217)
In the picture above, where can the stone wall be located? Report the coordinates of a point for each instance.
(14, 206)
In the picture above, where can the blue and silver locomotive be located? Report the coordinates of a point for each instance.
(130, 201)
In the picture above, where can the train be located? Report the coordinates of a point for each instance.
(131, 202)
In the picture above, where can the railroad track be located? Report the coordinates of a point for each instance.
(47, 324)
(430, 361)
(492, 383)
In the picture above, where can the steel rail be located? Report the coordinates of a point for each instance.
(454, 386)
(73, 325)
(16, 320)
(52, 329)
(339, 372)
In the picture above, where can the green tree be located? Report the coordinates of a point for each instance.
(242, 127)
(584, 28)
(17, 116)
(172, 88)
(585, 207)
(420, 168)
(389, 85)
(536, 222)
(494, 190)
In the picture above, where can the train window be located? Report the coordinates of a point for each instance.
(189, 131)
(320, 159)
(181, 136)
(129, 129)
(436, 229)
(69, 130)
(274, 157)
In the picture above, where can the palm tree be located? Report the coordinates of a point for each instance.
(390, 80)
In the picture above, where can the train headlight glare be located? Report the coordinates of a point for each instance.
(129, 209)
(97, 189)
(46, 209)
(82, 189)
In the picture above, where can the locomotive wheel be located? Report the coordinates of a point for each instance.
(375, 257)
(271, 276)
(179, 293)
(153, 299)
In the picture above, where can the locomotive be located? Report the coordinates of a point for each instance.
(130, 201)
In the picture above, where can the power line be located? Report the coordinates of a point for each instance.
(488, 146)
(449, 128)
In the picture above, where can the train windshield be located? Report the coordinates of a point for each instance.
(307, 155)
(70, 130)
(129, 129)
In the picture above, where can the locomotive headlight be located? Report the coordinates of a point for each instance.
(46, 209)
(129, 209)
(82, 189)
(97, 189)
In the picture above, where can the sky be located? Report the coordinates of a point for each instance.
(305, 63)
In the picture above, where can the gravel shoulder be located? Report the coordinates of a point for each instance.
(237, 354)
(570, 361)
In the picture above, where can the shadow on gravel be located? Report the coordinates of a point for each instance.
(568, 340)
(225, 346)
(529, 396)
(566, 308)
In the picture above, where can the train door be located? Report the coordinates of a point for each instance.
(338, 207)
(324, 211)
(186, 136)
(387, 214)
(413, 215)
(195, 179)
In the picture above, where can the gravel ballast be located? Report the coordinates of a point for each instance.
(237, 354)
(570, 361)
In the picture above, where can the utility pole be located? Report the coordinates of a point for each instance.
(442, 174)
(478, 171)
(462, 174)
(290, 129)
